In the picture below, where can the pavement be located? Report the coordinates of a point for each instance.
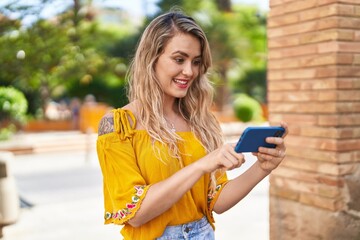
(65, 187)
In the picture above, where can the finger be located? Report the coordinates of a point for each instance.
(265, 157)
(275, 140)
(228, 165)
(234, 160)
(285, 126)
(228, 160)
(275, 152)
(282, 152)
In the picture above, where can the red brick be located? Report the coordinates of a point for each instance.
(346, 10)
(348, 71)
(315, 48)
(337, 46)
(330, 71)
(296, 174)
(292, 51)
(311, 154)
(319, 12)
(322, 202)
(305, 119)
(298, 74)
(284, 193)
(346, 83)
(308, 175)
(306, 187)
(331, 180)
(313, 26)
(348, 157)
(329, 132)
(357, 35)
(293, 29)
(357, 10)
(313, 84)
(312, 37)
(348, 145)
(293, 96)
(315, 143)
(356, 59)
(293, 6)
(311, 107)
(283, 42)
(326, 34)
(312, 61)
(345, 96)
(325, 2)
(274, 3)
(350, 119)
(283, 20)
(321, 162)
(350, 95)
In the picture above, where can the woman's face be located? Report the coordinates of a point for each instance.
(179, 65)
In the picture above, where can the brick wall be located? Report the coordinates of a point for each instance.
(314, 85)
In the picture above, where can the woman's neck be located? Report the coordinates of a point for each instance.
(169, 108)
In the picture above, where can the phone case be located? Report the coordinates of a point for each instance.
(254, 137)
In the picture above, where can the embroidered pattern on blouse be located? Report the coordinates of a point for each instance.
(213, 193)
(122, 213)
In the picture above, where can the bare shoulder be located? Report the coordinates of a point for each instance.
(133, 107)
(106, 124)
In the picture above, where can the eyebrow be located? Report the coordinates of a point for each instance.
(184, 54)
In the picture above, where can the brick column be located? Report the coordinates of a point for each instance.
(314, 85)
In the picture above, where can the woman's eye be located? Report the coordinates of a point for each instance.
(197, 62)
(179, 60)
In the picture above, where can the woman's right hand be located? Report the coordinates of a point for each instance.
(224, 158)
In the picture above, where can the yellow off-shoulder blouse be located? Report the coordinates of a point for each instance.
(129, 167)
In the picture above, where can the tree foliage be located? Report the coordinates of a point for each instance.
(73, 55)
(59, 58)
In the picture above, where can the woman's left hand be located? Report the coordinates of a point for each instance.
(270, 158)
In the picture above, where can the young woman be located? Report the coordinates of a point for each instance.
(162, 156)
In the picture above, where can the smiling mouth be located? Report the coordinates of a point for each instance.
(181, 82)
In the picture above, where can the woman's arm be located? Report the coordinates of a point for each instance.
(239, 187)
(236, 189)
(162, 195)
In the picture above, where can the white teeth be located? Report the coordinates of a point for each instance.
(180, 82)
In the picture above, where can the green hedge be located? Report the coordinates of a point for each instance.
(247, 109)
(13, 107)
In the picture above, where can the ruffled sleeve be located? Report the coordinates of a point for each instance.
(213, 194)
(123, 185)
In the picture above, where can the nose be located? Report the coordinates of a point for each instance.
(188, 69)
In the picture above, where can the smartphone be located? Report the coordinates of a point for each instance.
(254, 137)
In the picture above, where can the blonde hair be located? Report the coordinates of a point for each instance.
(146, 89)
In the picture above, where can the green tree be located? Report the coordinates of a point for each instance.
(13, 106)
(250, 75)
(58, 56)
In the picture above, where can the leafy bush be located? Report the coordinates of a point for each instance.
(13, 107)
(247, 108)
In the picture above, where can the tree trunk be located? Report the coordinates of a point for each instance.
(222, 91)
(224, 5)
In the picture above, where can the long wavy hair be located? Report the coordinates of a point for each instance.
(145, 87)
